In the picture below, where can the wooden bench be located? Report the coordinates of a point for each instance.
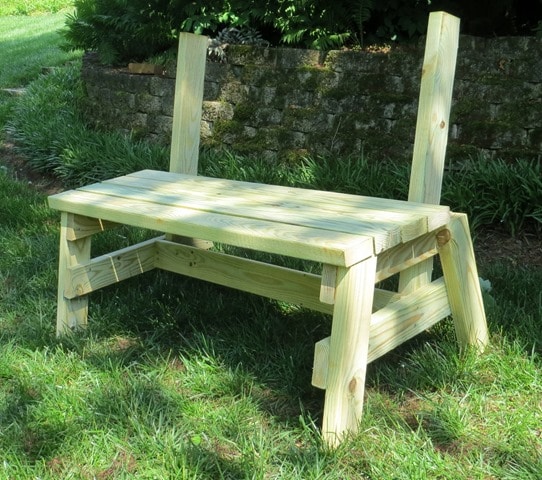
(358, 240)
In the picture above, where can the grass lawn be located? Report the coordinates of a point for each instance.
(178, 379)
(33, 7)
(181, 379)
(27, 45)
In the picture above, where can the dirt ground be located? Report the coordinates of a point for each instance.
(523, 250)
(18, 169)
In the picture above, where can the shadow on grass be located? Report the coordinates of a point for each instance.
(186, 360)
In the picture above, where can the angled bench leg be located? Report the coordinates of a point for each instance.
(348, 350)
(74, 250)
(462, 283)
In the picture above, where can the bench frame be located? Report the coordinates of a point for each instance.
(366, 322)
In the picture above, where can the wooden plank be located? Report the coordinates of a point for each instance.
(71, 313)
(188, 103)
(402, 320)
(434, 108)
(328, 290)
(202, 188)
(263, 279)
(432, 126)
(320, 363)
(187, 108)
(392, 325)
(291, 240)
(461, 276)
(251, 276)
(266, 280)
(406, 255)
(194, 242)
(348, 351)
(437, 215)
(110, 268)
(81, 226)
(386, 229)
(383, 298)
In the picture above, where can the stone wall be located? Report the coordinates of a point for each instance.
(288, 102)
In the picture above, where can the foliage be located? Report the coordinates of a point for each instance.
(398, 20)
(122, 30)
(236, 36)
(42, 115)
(495, 192)
(362, 13)
(7, 103)
(315, 24)
(48, 129)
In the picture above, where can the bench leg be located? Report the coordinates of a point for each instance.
(348, 350)
(71, 314)
(462, 283)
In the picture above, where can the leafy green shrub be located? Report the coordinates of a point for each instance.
(101, 155)
(358, 175)
(6, 106)
(355, 174)
(122, 30)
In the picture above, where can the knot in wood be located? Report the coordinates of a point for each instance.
(442, 124)
(352, 385)
(443, 237)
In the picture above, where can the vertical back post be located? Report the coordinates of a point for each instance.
(434, 108)
(432, 126)
(185, 133)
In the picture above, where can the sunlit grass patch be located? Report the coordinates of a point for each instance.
(28, 45)
(33, 7)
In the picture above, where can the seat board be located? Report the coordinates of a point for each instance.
(386, 222)
(386, 229)
(319, 245)
(437, 215)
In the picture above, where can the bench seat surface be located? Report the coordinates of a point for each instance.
(329, 227)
